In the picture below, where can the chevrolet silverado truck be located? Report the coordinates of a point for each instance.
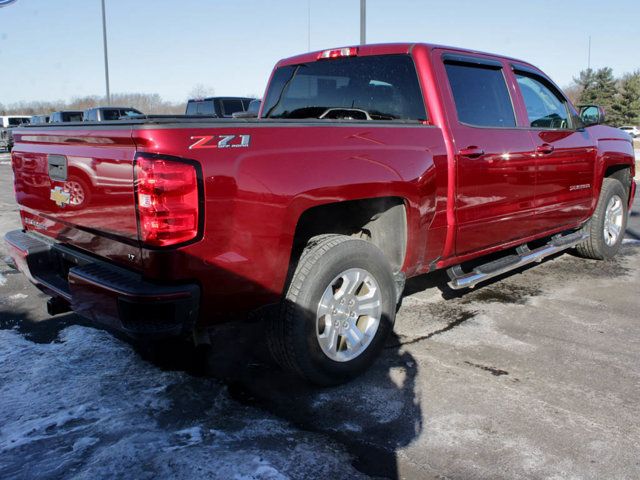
(366, 165)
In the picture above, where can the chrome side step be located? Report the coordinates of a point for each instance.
(523, 256)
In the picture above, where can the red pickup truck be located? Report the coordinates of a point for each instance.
(366, 165)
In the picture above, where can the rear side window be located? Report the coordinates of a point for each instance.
(481, 96)
(545, 107)
(383, 87)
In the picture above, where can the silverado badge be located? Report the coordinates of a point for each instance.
(59, 196)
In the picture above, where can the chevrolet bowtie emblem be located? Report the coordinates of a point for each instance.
(59, 196)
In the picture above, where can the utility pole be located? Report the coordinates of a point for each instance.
(308, 25)
(589, 55)
(363, 22)
(106, 56)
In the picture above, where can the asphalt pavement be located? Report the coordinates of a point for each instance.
(534, 375)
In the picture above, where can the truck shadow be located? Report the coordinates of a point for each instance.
(371, 417)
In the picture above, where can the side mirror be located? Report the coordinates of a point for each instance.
(591, 115)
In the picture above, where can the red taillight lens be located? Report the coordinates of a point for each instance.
(339, 52)
(167, 197)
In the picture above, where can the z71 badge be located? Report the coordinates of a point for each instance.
(220, 141)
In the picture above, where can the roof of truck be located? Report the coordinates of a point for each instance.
(386, 49)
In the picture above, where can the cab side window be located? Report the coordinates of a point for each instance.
(481, 95)
(545, 107)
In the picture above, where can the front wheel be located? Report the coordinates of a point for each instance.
(338, 310)
(607, 225)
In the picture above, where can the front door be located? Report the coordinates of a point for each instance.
(566, 154)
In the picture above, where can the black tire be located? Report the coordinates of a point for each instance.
(292, 333)
(595, 247)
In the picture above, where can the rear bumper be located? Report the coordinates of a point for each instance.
(102, 292)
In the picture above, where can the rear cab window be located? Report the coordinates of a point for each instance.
(480, 92)
(201, 107)
(382, 87)
(72, 116)
(14, 122)
(229, 107)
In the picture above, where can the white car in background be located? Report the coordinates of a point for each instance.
(631, 130)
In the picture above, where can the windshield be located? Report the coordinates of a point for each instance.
(383, 87)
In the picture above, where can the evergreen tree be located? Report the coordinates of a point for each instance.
(599, 88)
(626, 109)
(584, 83)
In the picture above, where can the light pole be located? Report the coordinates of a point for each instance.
(106, 56)
(363, 22)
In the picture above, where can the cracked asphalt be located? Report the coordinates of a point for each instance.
(534, 375)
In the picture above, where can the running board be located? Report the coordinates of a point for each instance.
(523, 256)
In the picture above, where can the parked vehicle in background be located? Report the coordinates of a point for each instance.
(7, 124)
(252, 110)
(221, 107)
(101, 114)
(66, 116)
(38, 119)
(367, 165)
(631, 130)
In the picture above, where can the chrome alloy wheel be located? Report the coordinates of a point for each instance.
(613, 218)
(76, 192)
(348, 315)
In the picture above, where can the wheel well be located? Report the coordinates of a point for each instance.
(381, 221)
(621, 173)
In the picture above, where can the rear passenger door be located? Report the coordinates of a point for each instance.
(565, 153)
(495, 162)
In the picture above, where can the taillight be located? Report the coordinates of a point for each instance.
(339, 52)
(168, 203)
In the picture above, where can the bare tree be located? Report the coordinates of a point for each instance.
(201, 91)
(150, 103)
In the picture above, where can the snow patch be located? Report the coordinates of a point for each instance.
(89, 406)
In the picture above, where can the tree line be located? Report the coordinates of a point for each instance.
(150, 103)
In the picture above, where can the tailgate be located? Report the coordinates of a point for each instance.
(76, 185)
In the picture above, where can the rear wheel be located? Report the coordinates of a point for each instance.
(607, 225)
(338, 310)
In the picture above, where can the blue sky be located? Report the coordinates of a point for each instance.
(52, 49)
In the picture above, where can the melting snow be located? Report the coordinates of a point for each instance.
(89, 407)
